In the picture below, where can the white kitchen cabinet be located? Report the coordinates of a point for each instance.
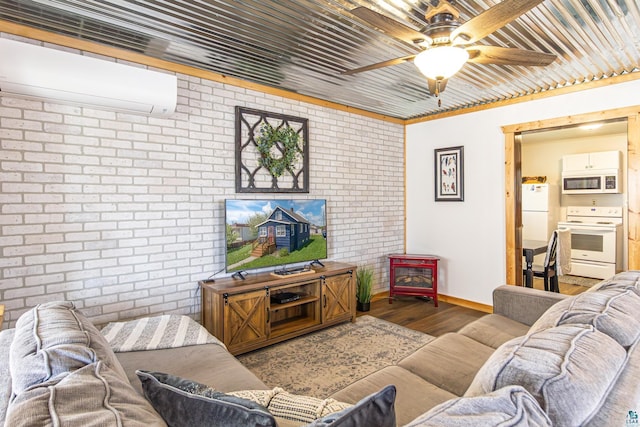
(591, 161)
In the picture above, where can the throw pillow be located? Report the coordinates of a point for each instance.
(507, 407)
(294, 407)
(375, 410)
(187, 403)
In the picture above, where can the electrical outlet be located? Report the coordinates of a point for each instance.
(593, 202)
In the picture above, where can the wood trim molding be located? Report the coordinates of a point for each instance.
(512, 168)
(633, 188)
(513, 177)
(88, 46)
(448, 299)
(466, 303)
(540, 95)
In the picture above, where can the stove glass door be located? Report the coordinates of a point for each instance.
(593, 244)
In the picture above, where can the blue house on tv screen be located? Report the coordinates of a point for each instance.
(285, 229)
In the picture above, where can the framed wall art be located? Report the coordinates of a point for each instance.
(449, 174)
(272, 152)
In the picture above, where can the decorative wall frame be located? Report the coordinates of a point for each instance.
(272, 152)
(449, 174)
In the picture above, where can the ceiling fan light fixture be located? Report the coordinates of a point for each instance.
(441, 62)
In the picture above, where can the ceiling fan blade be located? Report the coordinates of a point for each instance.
(491, 20)
(389, 26)
(436, 87)
(508, 56)
(379, 65)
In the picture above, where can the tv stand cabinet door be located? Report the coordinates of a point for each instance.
(338, 297)
(245, 320)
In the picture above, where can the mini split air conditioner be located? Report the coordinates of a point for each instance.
(37, 72)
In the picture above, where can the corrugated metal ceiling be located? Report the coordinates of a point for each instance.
(302, 46)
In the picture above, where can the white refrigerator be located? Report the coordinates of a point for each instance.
(540, 213)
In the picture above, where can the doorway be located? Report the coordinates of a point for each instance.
(513, 178)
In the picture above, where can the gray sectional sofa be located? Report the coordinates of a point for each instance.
(540, 359)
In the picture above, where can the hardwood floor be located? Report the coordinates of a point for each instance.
(565, 288)
(420, 315)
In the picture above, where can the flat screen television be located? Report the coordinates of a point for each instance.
(270, 233)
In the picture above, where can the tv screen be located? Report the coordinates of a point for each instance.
(268, 233)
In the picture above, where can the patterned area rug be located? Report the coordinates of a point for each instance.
(578, 280)
(324, 362)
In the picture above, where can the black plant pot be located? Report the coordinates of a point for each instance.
(363, 306)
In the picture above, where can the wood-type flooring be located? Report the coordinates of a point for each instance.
(565, 288)
(417, 314)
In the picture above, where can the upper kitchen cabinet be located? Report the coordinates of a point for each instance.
(591, 161)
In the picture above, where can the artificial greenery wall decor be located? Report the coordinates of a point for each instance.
(269, 137)
(272, 152)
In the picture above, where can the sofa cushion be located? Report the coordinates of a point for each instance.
(505, 407)
(522, 304)
(623, 399)
(208, 363)
(493, 330)
(447, 354)
(624, 280)
(187, 403)
(93, 395)
(375, 410)
(612, 311)
(294, 407)
(414, 394)
(569, 369)
(6, 337)
(54, 338)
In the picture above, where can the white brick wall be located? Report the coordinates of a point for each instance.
(123, 213)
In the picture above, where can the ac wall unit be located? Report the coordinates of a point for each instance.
(28, 70)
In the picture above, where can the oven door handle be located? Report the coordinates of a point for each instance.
(588, 230)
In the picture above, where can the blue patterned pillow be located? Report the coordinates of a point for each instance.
(375, 410)
(186, 403)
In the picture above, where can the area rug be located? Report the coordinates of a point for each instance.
(321, 363)
(578, 280)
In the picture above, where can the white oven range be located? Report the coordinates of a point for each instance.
(596, 240)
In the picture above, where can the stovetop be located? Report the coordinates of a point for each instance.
(604, 216)
(594, 212)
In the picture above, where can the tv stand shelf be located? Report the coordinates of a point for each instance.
(291, 273)
(241, 314)
(301, 301)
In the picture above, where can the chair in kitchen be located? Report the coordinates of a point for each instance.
(548, 271)
(557, 260)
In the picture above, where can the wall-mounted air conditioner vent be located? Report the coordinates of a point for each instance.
(33, 71)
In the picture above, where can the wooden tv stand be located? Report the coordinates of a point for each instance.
(241, 314)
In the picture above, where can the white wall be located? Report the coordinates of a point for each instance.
(470, 235)
(123, 213)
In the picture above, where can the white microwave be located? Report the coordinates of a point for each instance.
(591, 183)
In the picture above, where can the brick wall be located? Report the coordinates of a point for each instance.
(123, 213)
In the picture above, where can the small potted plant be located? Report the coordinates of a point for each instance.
(364, 285)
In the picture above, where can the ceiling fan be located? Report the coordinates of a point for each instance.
(447, 44)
